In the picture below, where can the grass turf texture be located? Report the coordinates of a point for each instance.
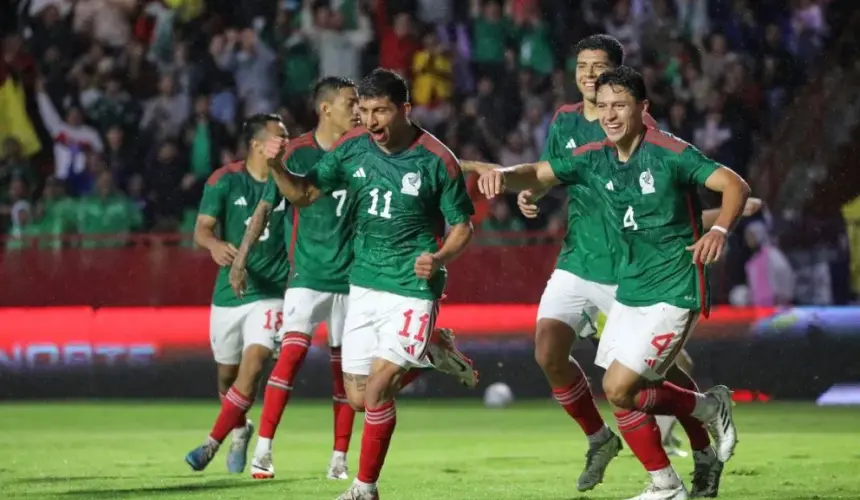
(454, 450)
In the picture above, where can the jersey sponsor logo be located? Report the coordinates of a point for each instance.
(411, 184)
(646, 182)
(359, 173)
(571, 144)
(241, 202)
(609, 186)
(281, 206)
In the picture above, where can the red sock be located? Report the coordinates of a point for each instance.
(344, 415)
(379, 426)
(294, 348)
(642, 435)
(666, 399)
(696, 432)
(577, 401)
(234, 408)
(409, 377)
(241, 421)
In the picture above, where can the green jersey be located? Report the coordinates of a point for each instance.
(231, 196)
(402, 202)
(321, 245)
(588, 250)
(652, 203)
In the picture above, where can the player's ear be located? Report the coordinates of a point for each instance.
(407, 108)
(645, 105)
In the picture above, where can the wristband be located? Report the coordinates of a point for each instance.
(720, 229)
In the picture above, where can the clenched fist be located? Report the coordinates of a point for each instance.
(426, 265)
(527, 205)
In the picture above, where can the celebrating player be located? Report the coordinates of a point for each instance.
(242, 329)
(584, 281)
(406, 186)
(322, 253)
(646, 181)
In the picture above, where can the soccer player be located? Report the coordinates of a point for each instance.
(584, 280)
(646, 181)
(406, 186)
(321, 245)
(242, 329)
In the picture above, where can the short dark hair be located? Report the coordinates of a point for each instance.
(328, 84)
(256, 124)
(384, 83)
(626, 77)
(613, 48)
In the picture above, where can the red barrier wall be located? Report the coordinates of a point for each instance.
(175, 276)
(46, 337)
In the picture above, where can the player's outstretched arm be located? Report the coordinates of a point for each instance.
(255, 229)
(296, 189)
(735, 193)
(222, 252)
(532, 176)
(709, 217)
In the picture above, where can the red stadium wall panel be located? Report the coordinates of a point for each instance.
(175, 276)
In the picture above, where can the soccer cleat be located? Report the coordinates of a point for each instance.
(238, 455)
(706, 475)
(654, 492)
(721, 426)
(199, 457)
(262, 466)
(358, 491)
(597, 460)
(337, 468)
(449, 360)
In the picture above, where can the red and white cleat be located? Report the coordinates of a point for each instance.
(449, 360)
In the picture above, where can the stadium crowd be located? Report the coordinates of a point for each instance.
(115, 112)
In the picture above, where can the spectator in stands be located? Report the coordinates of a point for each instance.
(108, 21)
(492, 33)
(56, 214)
(516, 150)
(338, 44)
(106, 214)
(501, 220)
(299, 62)
(166, 182)
(432, 82)
(16, 194)
(22, 230)
(535, 50)
(204, 139)
(114, 107)
(397, 41)
(769, 275)
(251, 62)
(72, 137)
(13, 166)
(165, 114)
(622, 26)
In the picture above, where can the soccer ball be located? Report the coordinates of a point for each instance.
(498, 395)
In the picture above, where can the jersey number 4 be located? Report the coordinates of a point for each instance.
(629, 221)
(265, 235)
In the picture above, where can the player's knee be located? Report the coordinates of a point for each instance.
(618, 393)
(226, 376)
(552, 345)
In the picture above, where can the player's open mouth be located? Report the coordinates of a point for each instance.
(613, 127)
(589, 85)
(378, 135)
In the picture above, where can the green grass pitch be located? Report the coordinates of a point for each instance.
(451, 450)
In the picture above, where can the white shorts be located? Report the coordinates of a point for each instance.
(386, 326)
(306, 309)
(232, 329)
(645, 339)
(575, 301)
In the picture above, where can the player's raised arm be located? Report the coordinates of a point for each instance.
(298, 190)
(709, 217)
(735, 193)
(256, 227)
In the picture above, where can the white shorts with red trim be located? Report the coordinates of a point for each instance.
(645, 339)
(233, 329)
(306, 309)
(386, 326)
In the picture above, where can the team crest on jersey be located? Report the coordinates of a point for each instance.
(411, 184)
(646, 182)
